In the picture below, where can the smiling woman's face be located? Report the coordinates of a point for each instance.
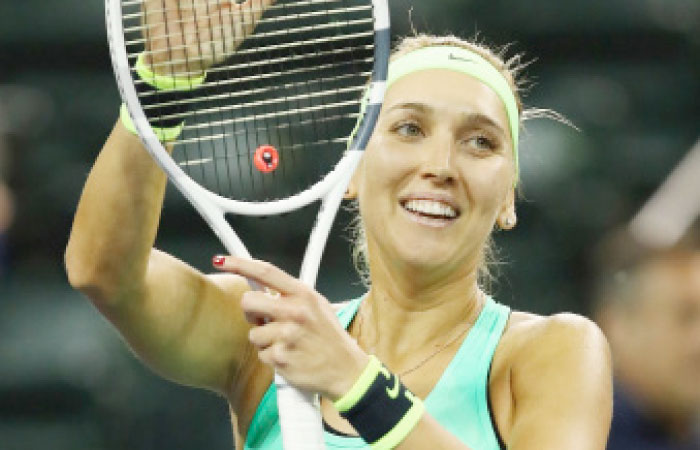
(437, 173)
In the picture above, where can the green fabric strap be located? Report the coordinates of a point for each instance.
(164, 82)
(163, 134)
(160, 83)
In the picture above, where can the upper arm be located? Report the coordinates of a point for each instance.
(185, 325)
(562, 387)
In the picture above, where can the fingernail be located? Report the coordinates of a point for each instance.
(218, 260)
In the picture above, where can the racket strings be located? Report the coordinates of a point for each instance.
(201, 44)
(135, 5)
(290, 78)
(323, 120)
(256, 108)
(283, 133)
(217, 30)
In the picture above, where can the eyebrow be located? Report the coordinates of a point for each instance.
(471, 118)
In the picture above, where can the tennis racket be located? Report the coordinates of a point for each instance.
(267, 132)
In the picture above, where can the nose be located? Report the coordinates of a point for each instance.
(438, 165)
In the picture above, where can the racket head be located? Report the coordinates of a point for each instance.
(296, 90)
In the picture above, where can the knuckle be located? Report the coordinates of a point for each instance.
(289, 332)
(278, 310)
(278, 355)
(266, 269)
(301, 315)
(247, 300)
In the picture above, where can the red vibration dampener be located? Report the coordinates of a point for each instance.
(266, 158)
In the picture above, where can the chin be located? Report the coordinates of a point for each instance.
(425, 258)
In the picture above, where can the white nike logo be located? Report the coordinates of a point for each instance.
(458, 58)
(393, 392)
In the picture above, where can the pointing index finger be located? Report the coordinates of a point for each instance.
(261, 272)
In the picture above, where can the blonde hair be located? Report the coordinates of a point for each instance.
(511, 69)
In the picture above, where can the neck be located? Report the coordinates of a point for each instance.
(415, 287)
(398, 306)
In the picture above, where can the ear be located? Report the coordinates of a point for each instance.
(351, 191)
(354, 185)
(506, 217)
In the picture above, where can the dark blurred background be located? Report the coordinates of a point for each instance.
(626, 72)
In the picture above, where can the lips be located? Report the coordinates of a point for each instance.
(430, 209)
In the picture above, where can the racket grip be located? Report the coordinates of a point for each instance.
(300, 417)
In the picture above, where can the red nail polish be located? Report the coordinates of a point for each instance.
(218, 260)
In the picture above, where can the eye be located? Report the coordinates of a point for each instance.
(482, 143)
(408, 129)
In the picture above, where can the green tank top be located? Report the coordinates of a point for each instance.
(459, 400)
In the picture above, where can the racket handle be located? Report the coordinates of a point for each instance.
(300, 417)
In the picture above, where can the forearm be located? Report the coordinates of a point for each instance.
(116, 219)
(428, 433)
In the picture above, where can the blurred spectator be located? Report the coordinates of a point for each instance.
(648, 305)
(25, 115)
(6, 213)
(6, 203)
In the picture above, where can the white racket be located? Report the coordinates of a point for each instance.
(672, 209)
(267, 131)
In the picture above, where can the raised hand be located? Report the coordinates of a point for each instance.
(186, 37)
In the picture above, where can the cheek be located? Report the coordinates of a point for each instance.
(383, 164)
(487, 181)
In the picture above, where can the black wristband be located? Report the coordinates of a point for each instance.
(386, 412)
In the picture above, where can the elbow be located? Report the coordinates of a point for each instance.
(80, 277)
(84, 276)
(100, 279)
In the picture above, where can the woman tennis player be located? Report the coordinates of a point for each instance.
(426, 359)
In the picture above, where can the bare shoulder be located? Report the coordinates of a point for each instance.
(533, 345)
(559, 374)
(529, 333)
(565, 347)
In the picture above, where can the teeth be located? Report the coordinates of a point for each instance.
(431, 208)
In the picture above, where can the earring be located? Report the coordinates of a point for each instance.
(508, 223)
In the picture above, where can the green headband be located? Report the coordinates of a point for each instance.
(460, 59)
